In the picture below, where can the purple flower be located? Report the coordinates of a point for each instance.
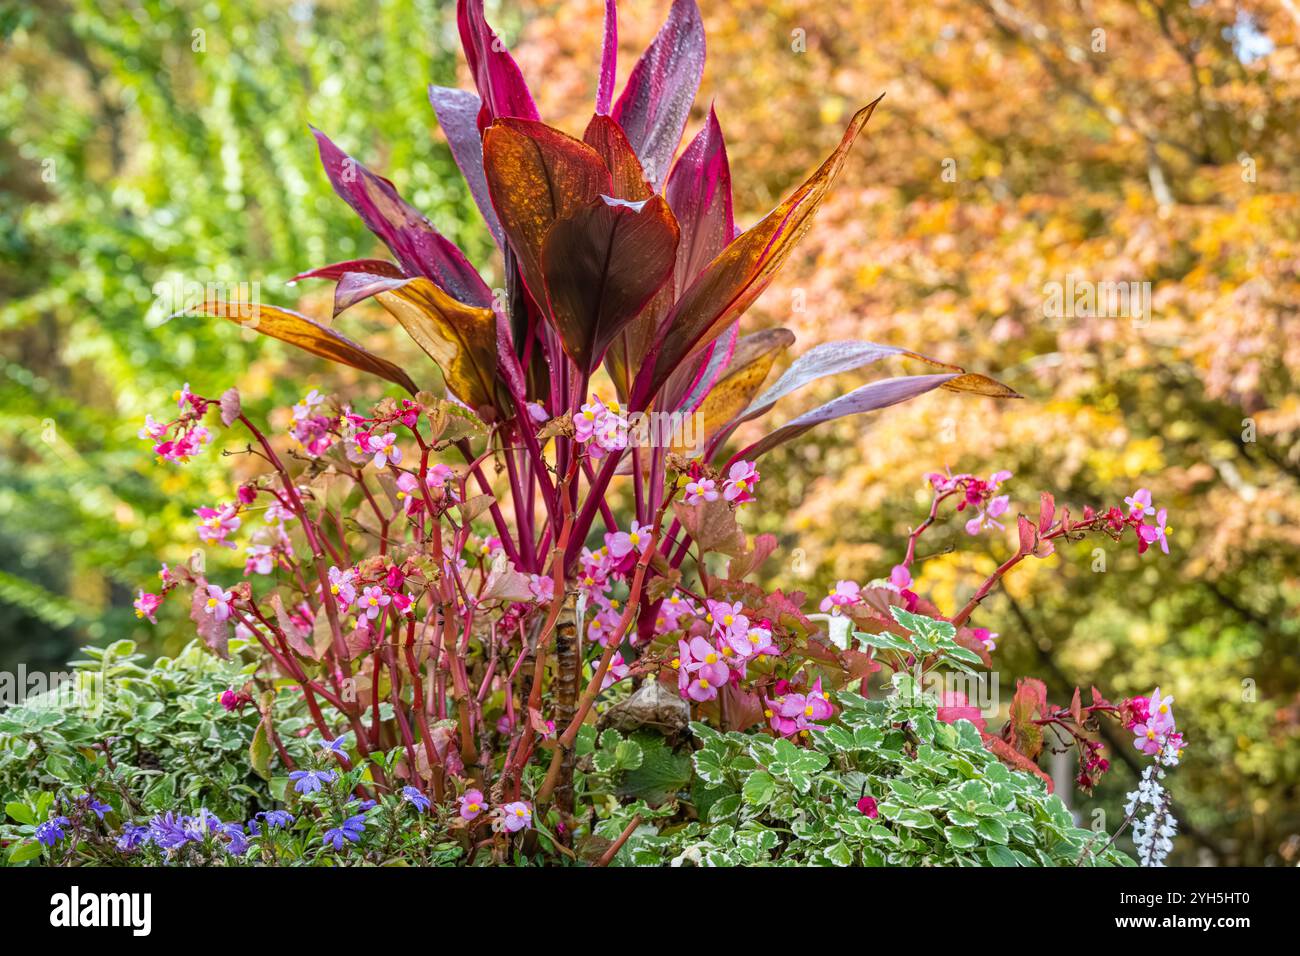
(336, 745)
(171, 831)
(309, 781)
(51, 831)
(132, 837)
(274, 819)
(416, 799)
(350, 830)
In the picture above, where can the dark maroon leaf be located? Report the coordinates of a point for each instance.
(699, 194)
(601, 265)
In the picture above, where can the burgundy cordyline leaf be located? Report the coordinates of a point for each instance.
(419, 248)
(537, 175)
(699, 194)
(602, 264)
(457, 112)
(336, 270)
(500, 83)
(656, 102)
(608, 59)
(868, 398)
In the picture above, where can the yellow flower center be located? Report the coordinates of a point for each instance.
(742, 484)
(808, 711)
(1151, 735)
(139, 613)
(373, 602)
(726, 652)
(677, 663)
(711, 658)
(212, 602)
(634, 538)
(767, 712)
(728, 620)
(474, 807)
(1164, 708)
(704, 682)
(589, 415)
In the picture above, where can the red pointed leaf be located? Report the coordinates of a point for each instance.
(739, 274)
(418, 247)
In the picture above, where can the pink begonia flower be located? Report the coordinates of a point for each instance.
(542, 588)
(701, 490)
(516, 816)
(407, 486)
(341, 585)
(867, 807)
(989, 638)
(589, 419)
(900, 577)
(841, 595)
(760, 640)
(373, 601)
(618, 669)
(984, 519)
(741, 479)
(726, 618)
(385, 450)
(183, 396)
(260, 559)
(216, 524)
(218, 603)
(152, 430)
(146, 605)
(537, 413)
(472, 804)
(636, 538)
(1139, 503)
(1149, 534)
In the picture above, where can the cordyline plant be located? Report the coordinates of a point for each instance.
(473, 628)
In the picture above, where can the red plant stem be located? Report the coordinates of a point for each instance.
(608, 856)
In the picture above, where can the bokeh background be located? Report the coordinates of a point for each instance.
(1020, 141)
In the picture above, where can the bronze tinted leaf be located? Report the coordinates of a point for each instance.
(460, 338)
(308, 335)
(537, 175)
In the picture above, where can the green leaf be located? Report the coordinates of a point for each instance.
(24, 852)
(21, 812)
(840, 854)
(993, 830)
(960, 838)
(759, 788)
(259, 751)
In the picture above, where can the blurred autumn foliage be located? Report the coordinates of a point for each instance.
(1020, 143)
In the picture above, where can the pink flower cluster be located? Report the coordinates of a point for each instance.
(791, 714)
(183, 437)
(1115, 519)
(510, 817)
(1151, 719)
(600, 427)
(737, 487)
(311, 427)
(978, 493)
(705, 664)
